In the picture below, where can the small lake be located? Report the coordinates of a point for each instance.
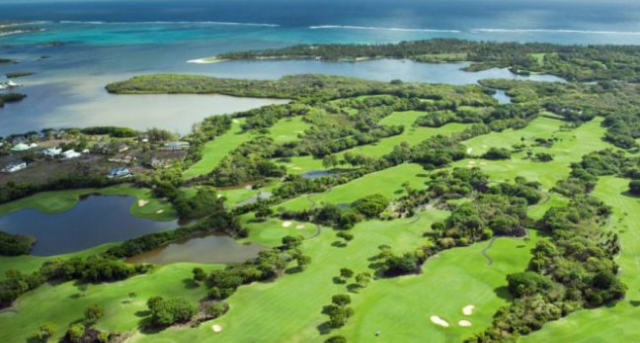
(502, 97)
(209, 249)
(314, 174)
(93, 221)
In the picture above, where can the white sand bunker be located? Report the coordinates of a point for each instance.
(300, 227)
(286, 224)
(464, 323)
(235, 121)
(219, 196)
(216, 328)
(296, 168)
(468, 310)
(159, 211)
(142, 202)
(439, 321)
(469, 150)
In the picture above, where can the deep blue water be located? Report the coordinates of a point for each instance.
(93, 221)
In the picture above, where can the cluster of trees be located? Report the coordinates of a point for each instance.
(266, 116)
(93, 269)
(574, 268)
(165, 312)
(342, 217)
(338, 311)
(573, 62)
(497, 154)
(207, 130)
(13, 190)
(498, 209)
(113, 131)
(14, 245)
(249, 162)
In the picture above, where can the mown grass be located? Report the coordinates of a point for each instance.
(214, 151)
(616, 323)
(387, 182)
(124, 302)
(571, 146)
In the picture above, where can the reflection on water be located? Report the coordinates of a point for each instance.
(209, 249)
(93, 221)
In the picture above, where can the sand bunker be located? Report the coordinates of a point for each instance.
(464, 323)
(469, 150)
(300, 227)
(468, 310)
(216, 328)
(286, 224)
(142, 202)
(439, 321)
(159, 211)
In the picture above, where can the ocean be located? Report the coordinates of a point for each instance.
(107, 41)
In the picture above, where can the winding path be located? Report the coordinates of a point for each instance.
(484, 251)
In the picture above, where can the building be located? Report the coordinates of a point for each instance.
(20, 147)
(126, 159)
(52, 152)
(176, 146)
(117, 173)
(70, 154)
(14, 167)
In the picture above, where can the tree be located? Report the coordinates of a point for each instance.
(92, 314)
(346, 273)
(46, 331)
(363, 279)
(634, 187)
(170, 311)
(497, 154)
(75, 332)
(341, 299)
(371, 206)
(199, 274)
(303, 260)
(329, 161)
(217, 309)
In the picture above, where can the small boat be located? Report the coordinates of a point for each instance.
(12, 84)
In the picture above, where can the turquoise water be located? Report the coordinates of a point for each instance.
(109, 41)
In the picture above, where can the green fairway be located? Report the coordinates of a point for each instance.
(288, 310)
(387, 182)
(411, 134)
(214, 151)
(288, 129)
(570, 147)
(617, 323)
(400, 308)
(123, 302)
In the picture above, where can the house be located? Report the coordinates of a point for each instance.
(20, 147)
(117, 173)
(52, 152)
(70, 154)
(14, 167)
(176, 146)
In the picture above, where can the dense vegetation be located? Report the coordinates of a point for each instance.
(13, 245)
(573, 62)
(11, 97)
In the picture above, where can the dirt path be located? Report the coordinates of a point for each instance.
(484, 251)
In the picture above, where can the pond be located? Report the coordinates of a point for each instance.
(502, 97)
(314, 174)
(209, 249)
(93, 221)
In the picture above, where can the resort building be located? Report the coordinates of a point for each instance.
(71, 154)
(52, 152)
(21, 147)
(14, 167)
(117, 173)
